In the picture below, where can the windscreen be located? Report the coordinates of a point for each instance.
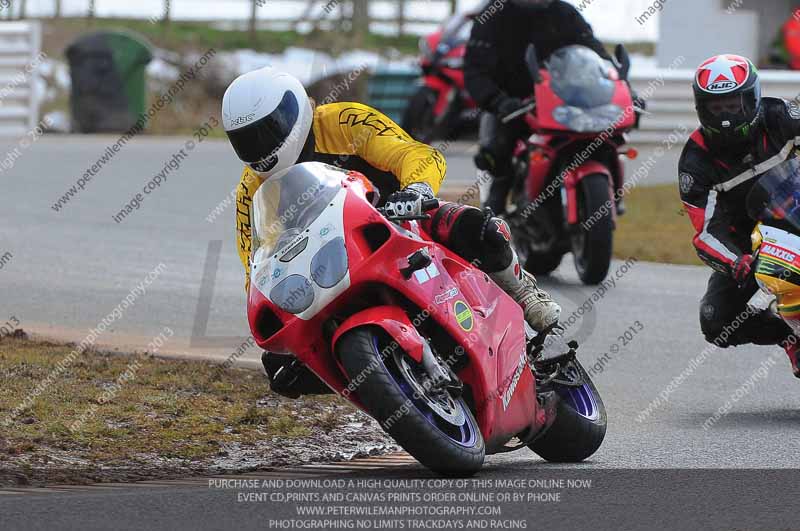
(586, 83)
(775, 198)
(287, 203)
(580, 77)
(456, 31)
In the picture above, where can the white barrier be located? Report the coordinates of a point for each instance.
(672, 102)
(20, 55)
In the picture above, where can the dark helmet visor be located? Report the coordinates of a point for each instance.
(258, 143)
(735, 109)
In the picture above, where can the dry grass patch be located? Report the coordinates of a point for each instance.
(165, 415)
(655, 227)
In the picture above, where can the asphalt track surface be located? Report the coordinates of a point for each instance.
(70, 268)
(73, 267)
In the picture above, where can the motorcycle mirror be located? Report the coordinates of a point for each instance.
(623, 61)
(533, 63)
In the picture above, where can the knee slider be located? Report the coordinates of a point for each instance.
(713, 326)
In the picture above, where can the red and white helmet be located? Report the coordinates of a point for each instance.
(727, 96)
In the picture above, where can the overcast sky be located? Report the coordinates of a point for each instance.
(612, 19)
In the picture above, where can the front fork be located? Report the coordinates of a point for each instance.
(441, 373)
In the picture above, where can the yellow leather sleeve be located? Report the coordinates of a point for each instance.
(248, 185)
(356, 129)
(349, 129)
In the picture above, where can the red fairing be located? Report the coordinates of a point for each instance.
(573, 178)
(547, 101)
(443, 74)
(443, 90)
(622, 98)
(540, 163)
(555, 155)
(493, 340)
(393, 321)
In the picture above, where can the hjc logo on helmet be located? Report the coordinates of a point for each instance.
(723, 73)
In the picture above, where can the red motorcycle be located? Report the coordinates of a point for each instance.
(412, 334)
(441, 106)
(568, 173)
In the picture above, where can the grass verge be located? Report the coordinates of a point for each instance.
(655, 227)
(189, 36)
(193, 36)
(109, 417)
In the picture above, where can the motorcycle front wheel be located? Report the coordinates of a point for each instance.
(437, 429)
(593, 238)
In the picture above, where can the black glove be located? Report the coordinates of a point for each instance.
(638, 101)
(408, 201)
(506, 105)
(639, 105)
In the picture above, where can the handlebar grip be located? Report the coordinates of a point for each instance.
(430, 204)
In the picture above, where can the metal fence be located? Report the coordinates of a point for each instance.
(401, 16)
(20, 56)
(671, 105)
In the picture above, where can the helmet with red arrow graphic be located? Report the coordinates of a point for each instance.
(727, 96)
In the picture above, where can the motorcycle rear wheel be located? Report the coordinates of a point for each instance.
(580, 424)
(403, 412)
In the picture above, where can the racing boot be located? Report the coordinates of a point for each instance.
(288, 377)
(792, 347)
(541, 311)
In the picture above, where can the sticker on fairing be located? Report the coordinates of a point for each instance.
(424, 275)
(776, 252)
(446, 296)
(523, 360)
(464, 316)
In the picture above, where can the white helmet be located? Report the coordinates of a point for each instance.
(532, 4)
(267, 116)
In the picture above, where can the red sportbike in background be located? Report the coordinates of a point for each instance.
(441, 106)
(568, 174)
(409, 332)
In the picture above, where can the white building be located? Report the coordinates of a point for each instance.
(698, 29)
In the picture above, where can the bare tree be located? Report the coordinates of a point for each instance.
(91, 10)
(253, 12)
(401, 17)
(57, 12)
(359, 21)
(167, 12)
(23, 5)
(306, 16)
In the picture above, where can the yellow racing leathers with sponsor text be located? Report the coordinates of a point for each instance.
(355, 137)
